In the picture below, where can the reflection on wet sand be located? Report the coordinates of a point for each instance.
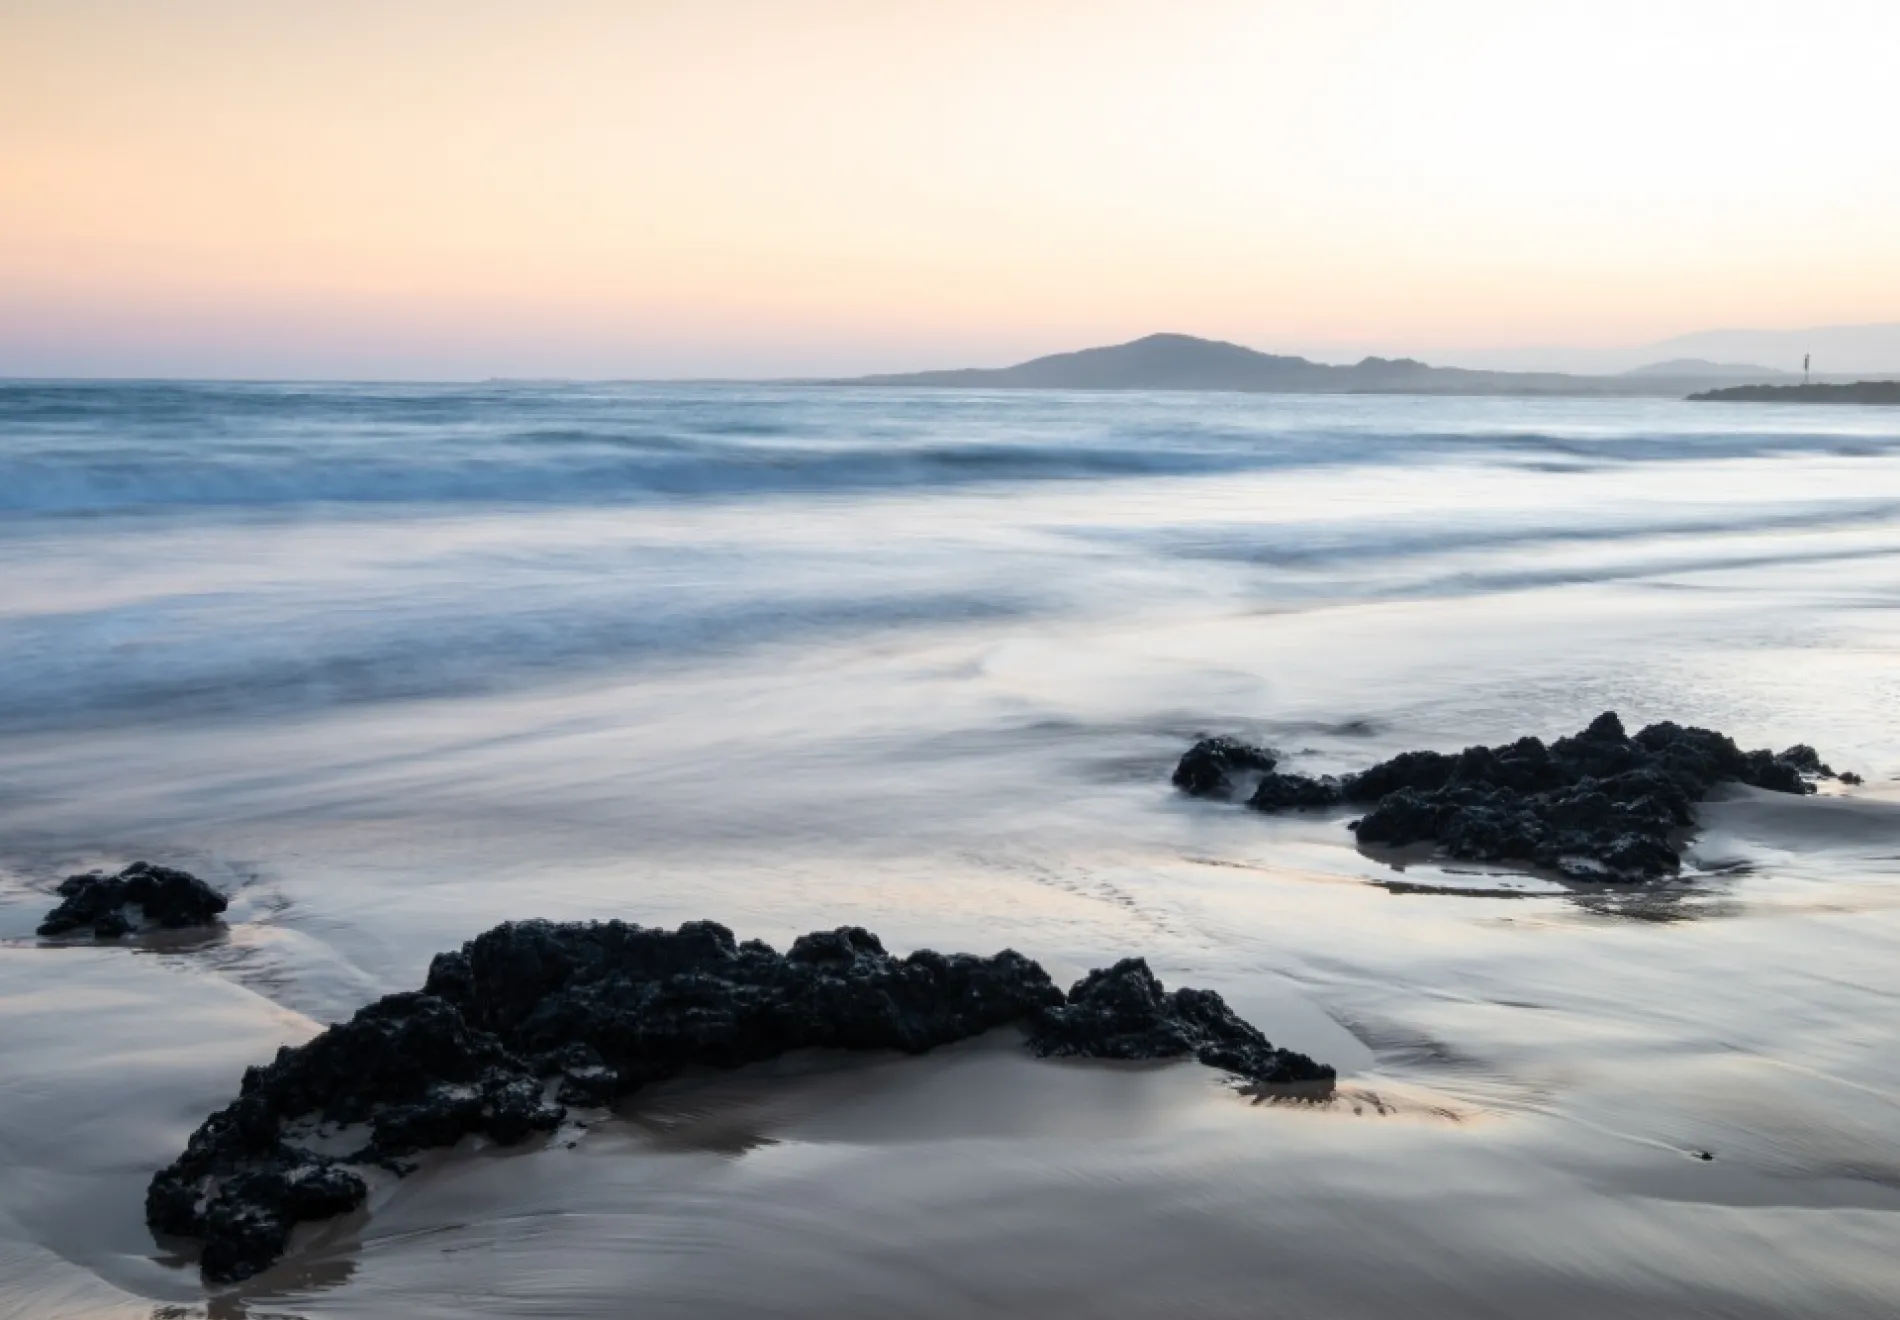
(1650, 901)
(309, 1277)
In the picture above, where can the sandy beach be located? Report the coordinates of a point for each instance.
(841, 679)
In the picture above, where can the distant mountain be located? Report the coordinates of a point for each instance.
(1183, 362)
(1165, 362)
(1703, 369)
(1886, 392)
(1840, 352)
(1859, 350)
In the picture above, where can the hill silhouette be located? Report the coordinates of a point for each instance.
(1186, 362)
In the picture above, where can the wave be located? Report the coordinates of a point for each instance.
(1400, 538)
(97, 448)
(165, 610)
(192, 657)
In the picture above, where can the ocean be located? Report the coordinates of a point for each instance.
(393, 663)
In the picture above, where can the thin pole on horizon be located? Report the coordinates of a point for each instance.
(1806, 359)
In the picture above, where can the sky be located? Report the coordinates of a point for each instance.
(447, 189)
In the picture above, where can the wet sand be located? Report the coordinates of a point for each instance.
(1499, 1145)
(946, 710)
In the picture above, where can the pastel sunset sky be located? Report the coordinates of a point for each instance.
(457, 188)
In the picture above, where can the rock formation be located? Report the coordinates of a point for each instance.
(141, 897)
(1600, 805)
(534, 1016)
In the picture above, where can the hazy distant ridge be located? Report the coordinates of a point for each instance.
(1184, 362)
(1838, 353)
(1703, 369)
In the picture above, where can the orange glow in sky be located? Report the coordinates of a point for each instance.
(452, 188)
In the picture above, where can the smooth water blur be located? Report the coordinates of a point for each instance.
(396, 663)
(175, 551)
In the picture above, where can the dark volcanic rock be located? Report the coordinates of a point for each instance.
(1420, 770)
(247, 1224)
(1600, 805)
(141, 897)
(645, 1003)
(1204, 767)
(1123, 1013)
(1278, 792)
(531, 1016)
(1808, 761)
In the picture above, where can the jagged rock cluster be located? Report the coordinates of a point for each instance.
(141, 897)
(1601, 805)
(533, 1016)
(1124, 1013)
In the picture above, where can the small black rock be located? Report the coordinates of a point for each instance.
(141, 897)
(1204, 767)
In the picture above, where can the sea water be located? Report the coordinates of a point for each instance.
(393, 663)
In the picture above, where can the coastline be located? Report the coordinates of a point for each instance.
(1876, 393)
(871, 673)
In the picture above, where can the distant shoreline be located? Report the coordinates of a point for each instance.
(1885, 392)
(1185, 362)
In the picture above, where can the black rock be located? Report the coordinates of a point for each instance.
(1278, 792)
(1123, 1013)
(141, 897)
(1420, 770)
(532, 1016)
(1808, 761)
(1600, 805)
(249, 1223)
(645, 1002)
(1204, 767)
